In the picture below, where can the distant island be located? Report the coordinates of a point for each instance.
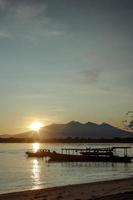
(65, 140)
(73, 131)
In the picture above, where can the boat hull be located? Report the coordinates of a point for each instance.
(57, 157)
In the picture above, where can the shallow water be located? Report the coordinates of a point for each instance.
(17, 172)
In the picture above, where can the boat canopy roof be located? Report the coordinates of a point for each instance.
(95, 149)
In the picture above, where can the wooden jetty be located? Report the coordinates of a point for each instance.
(83, 155)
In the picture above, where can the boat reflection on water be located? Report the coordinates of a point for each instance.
(35, 174)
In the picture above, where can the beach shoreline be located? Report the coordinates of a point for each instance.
(86, 191)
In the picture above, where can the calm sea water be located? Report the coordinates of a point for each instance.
(17, 172)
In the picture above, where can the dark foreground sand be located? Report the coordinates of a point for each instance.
(106, 190)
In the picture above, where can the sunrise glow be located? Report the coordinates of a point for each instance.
(36, 126)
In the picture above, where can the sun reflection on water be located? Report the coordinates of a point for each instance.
(35, 146)
(35, 174)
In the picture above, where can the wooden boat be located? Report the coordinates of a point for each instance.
(40, 153)
(83, 155)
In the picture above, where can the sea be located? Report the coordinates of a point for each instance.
(19, 173)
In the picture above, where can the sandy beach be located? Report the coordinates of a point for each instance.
(106, 190)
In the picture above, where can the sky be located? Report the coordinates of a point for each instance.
(63, 60)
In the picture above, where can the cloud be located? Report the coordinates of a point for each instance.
(16, 11)
(3, 4)
(5, 35)
(89, 76)
(57, 110)
(57, 33)
(130, 125)
(129, 112)
(33, 96)
(28, 19)
(24, 10)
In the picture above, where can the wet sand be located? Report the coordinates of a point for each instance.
(106, 190)
(120, 196)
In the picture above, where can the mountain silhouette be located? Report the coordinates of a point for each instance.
(80, 130)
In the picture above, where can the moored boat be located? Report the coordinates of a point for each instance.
(83, 155)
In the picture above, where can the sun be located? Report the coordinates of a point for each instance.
(36, 126)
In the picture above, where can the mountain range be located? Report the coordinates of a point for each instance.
(76, 129)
